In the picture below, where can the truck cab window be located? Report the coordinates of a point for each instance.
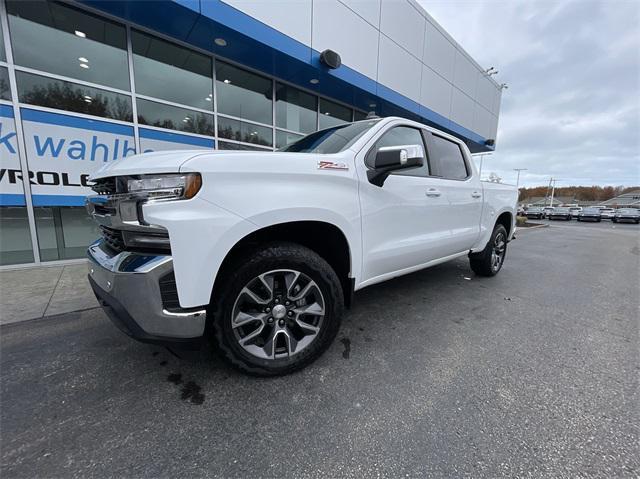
(398, 136)
(448, 159)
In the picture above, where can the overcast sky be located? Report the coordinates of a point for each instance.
(572, 110)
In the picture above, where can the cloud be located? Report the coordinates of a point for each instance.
(572, 109)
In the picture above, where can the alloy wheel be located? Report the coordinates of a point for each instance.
(278, 314)
(498, 251)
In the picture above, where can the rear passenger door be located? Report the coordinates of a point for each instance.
(460, 186)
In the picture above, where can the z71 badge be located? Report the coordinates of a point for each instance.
(331, 165)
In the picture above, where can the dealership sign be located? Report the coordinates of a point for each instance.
(63, 151)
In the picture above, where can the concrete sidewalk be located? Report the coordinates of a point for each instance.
(37, 292)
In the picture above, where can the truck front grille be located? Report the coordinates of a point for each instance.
(113, 239)
(105, 186)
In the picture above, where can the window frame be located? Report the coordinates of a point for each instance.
(435, 170)
(427, 157)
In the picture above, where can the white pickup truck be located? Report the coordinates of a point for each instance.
(260, 252)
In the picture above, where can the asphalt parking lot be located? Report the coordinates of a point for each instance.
(440, 373)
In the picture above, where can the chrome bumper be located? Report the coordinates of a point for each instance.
(127, 285)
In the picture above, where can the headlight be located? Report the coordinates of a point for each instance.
(179, 186)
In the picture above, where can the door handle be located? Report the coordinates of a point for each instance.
(475, 194)
(433, 193)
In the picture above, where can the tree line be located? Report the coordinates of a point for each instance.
(580, 193)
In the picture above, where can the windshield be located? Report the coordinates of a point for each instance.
(331, 140)
(561, 210)
(627, 211)
(534, 210)
(591, 210)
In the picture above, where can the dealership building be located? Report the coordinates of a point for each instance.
(89, 82)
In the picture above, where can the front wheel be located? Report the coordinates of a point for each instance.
(489, 261)
(278, 309)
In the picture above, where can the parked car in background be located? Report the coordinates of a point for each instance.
(561, 213)
(547, 210)
(590, 214)
(535, 213)
(521, 211)
(575, 211)
(627, 215)
(607, 213)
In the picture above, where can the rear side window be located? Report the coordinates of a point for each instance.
(400, 136)
(448, 159)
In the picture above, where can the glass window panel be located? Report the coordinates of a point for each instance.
(359, 115)
(64, 232)
(5, 92)
(400, 136)
(64, 95)
(332, 114)
(59, 39)
(243, 94)
(174, 118)
(296, 110)
(448, 158)
(284, 138)
(3, 55)
(224, 145)
(15, 238)
(242, 131)
(163, 70)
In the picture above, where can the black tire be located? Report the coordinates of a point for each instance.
(276, 256)
(614, 220)
(481, 263)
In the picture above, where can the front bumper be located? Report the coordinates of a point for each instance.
(127, 285)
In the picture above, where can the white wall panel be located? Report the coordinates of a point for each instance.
(496, 101)
(465, 75)
(340, 29)
(462, 109)
(399, 70)
(436, 92)
(291, 17)
(439, 53)
(493, 130)
(401, 22)
(486, 92)
(482, 121)
(367, 9)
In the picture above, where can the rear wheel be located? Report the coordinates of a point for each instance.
(490, 260)
(277, 311)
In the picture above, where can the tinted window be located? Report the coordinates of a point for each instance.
(448, 159)
(242, 131)
(64, 95)
(223, 145)
(296, 110)
(358, 115)
(332, 114)
(5, 92)
(3, 56)
(331, 140)
(56, 38)
(168, 71)
(174, 118)
(243, 94)
(400, 136)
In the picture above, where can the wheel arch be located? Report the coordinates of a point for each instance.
(506, 219)
(324, 238)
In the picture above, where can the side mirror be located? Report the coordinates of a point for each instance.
(393, 158)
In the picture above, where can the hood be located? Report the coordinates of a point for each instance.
(148, 163)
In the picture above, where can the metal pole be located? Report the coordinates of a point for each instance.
(518, 179)
(553, 190)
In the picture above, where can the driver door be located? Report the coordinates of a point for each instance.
(404, 221)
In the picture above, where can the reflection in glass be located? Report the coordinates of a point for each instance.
(3, 55)
(243, 94)
(332, 114)
(56, 38)
(224, 145)
(296, 110)
(284, 138)
(170, 72)
(15, 238)
(64, 232)
(242, 131)
(359, 115)
(5, 92)
(174, 118)
(64, 95)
